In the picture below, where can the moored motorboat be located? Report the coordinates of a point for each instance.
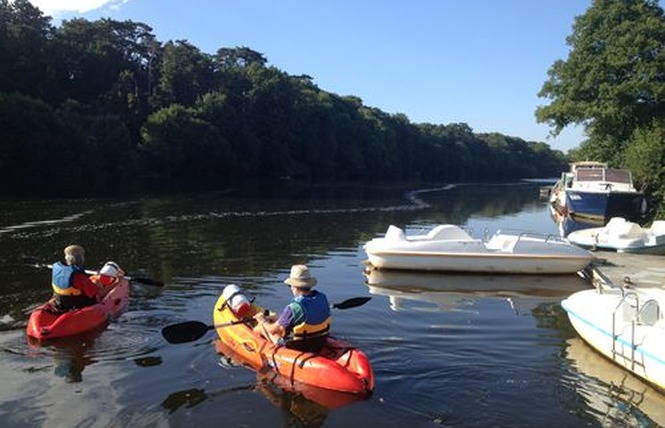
(339, 366)
(622, 236)
(46, 322)
(591, 193)
(623, 323)
(449, 248)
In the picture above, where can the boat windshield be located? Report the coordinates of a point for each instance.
(607, 175)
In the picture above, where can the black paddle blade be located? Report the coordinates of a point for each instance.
(352, 302)
(184, 332)
(146, 281)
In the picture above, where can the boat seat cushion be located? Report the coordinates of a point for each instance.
(625, 229)
(448, 231)
(502, 242)
(657, 232)
(394, 233)
(616, 222)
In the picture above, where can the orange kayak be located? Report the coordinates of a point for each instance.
(339, 366)
(47, 323)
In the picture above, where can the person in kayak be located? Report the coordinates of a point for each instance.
(72, 287)
(305, 322)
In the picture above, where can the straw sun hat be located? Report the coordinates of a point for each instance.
(300, 277)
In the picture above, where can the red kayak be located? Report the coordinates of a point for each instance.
(47, 323)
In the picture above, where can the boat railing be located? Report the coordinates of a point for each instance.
(629, 312)
(646, 314)
(520, 235)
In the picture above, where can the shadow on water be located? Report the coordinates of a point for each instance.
(70, 355)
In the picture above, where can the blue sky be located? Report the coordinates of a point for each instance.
(479, 62)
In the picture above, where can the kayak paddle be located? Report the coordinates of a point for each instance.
(351, 303)
(189, 331)
(139, 279)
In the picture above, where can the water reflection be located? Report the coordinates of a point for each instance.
(70, 355)
(297, 410)
(452, 292)
(614, 397)
(187, 398)
(301, 404)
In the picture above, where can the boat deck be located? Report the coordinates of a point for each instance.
(643, 270)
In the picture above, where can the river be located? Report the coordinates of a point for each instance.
(447, 350)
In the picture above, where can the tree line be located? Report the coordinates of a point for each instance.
(98, 101)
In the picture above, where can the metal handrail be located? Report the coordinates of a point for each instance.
(634, 321)
(622, 302)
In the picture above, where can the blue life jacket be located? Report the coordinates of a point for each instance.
(311, 316)
(62, 279)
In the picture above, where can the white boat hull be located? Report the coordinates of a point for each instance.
(455, 251)
(623, 327)
(622, 236)
(478, 263)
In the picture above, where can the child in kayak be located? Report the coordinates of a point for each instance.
(72, 287)
(304, 323)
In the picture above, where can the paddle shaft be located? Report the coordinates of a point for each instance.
(143, 280)
(189, 331)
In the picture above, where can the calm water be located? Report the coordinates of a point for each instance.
(447, 350)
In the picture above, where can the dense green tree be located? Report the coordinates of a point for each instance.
(102, 141)
(645, 155)
(178, 143)
(228, 58)
(33, 142)
(613, 80)
(186, 74)
(24, 49)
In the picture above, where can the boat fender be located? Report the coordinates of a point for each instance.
(235, 300)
